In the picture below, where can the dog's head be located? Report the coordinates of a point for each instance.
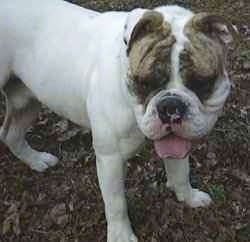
(176, 74)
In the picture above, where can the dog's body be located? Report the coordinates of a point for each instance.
(88, 67)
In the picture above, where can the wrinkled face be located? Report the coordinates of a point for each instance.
(177, 74)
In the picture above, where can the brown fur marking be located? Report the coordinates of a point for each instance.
(203, 58)
(149, 55)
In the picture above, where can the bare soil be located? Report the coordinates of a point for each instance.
(64, 203)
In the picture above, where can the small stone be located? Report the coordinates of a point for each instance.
(59, 215)
(213, 162)
(246, 65)
(62, 220)
(211, 159)
(211, 155)
(71, 206)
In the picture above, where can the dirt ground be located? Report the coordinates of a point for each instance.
(64, 203)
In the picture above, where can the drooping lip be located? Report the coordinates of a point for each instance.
(172, 146)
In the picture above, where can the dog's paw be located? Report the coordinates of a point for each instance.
(49, 159)
(198, 199)
(121, 232)
(43, 161)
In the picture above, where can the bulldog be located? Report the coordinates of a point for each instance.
(158, 74)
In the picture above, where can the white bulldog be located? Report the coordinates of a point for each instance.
(156, 73)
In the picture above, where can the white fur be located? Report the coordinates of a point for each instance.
(177, 17)
(178, 181)
(74, 61)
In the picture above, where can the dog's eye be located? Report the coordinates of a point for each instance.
(162, 82)
(201, 87)
(153, 85)
(145, 88)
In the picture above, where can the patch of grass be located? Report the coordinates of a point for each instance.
(243, 234)
(217, 192)
(23, 183)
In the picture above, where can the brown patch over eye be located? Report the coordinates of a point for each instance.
(201, 64)
(153, 71)
(149, 58)
(202, 61)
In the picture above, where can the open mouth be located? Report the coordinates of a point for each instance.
(172, 146)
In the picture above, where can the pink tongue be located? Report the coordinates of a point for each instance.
(172, 147)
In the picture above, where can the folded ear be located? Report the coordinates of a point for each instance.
(215, 26)
(140, 23)
(132, 19)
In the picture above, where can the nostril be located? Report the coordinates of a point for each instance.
(171, 109)
(177, 120)
(168, 129)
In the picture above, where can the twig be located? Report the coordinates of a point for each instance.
(38, 231)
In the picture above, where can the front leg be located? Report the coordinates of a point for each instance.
(178, 181)
(111, 175)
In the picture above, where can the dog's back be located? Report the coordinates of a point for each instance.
(40, 42)
(22, 23)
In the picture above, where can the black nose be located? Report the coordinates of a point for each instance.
(171, 109)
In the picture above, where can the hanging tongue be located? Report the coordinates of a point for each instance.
(172, 147)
